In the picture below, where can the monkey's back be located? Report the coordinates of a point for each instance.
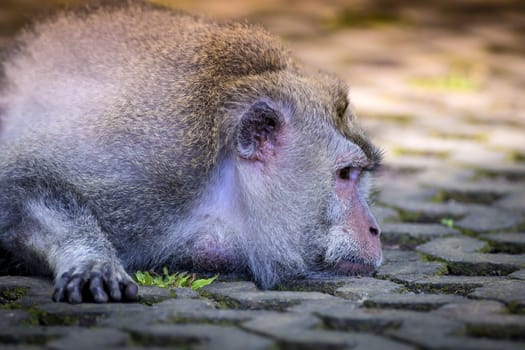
(115, 102)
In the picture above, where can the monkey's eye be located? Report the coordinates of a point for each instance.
(349, 173)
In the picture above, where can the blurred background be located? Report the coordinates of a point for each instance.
(438, 84)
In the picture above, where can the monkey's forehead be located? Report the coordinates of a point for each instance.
(353, 148)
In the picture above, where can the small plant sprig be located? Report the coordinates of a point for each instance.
(447, 222)
(176, 280)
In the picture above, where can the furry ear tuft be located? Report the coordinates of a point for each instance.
(256, 135)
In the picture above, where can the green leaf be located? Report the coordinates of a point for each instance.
(197, 284)
(447, 222)
(180, 279)
(139, 277)
(183, 281)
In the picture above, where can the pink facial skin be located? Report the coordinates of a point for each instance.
(359, 224)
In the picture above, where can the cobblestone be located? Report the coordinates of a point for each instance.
(412, 301)
(199, 336)
(406, 267)
(461, 285)
(513, 243)
(489, 219)
(365, 288)
(463, 257)
(518, 275)
(510, 292)
(514, 201)
(410, 235)
(438, 86)
(486, 317)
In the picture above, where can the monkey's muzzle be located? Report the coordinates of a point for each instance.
(347, 267)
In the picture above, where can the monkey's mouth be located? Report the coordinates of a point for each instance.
(347, 267)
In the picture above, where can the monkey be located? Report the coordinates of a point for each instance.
(136, 137)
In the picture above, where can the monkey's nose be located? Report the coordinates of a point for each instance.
(375, 231)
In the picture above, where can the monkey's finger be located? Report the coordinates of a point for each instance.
(74, 289)
(114, 289)
(131, 291)
(60, 287)
(96, 287)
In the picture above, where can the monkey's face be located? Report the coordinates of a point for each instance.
(352, 244)
(349, 242)
(306, 168)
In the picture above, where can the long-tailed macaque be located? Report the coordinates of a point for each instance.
(135, 137)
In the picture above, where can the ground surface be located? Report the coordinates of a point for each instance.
(440, 86)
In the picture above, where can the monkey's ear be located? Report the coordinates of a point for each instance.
(256, 134)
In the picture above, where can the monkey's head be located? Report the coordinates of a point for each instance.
(304, 168)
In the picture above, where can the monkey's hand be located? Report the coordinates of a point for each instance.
(95, 281)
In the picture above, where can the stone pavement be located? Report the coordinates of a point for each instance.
(440, 86)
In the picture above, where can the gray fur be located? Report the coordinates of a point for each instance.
(131, 139)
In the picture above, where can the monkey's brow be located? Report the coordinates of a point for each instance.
(369, 159)
(355, 158)
(375, 158)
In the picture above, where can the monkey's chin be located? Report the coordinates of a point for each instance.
(352, 268)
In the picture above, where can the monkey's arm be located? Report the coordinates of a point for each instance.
(51, 226)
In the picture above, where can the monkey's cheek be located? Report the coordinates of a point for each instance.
(351, 268)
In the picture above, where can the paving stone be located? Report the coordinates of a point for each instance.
(24, 286)
(485, 192)
(514, 201)
(477, 156)
(397, 193)
(412, 301)
(462, 257)
(408, 235)
(381, 320)
(312, 306)
(362, 320)
(90, 339)
(86, 314)
(507, 138)
(297, 331)
(269, 300)
(198, 336)
(456, 177)
(406, 267)
(220, 287)
(348, 287)
(220, 317)
(486, 318)
(363, 288)
(383, 214)
(13, 317)
(513, 243)
(424, 212)
(484, 219)
(434, 334)
(31, 335)
(404, 165)
(426, 330)
(368, 341)
(460, 285)
(163, 312)
(510, 172)
(520, 274)
(152, 295)
(511, 292)
(319, 282)
(185, 293)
